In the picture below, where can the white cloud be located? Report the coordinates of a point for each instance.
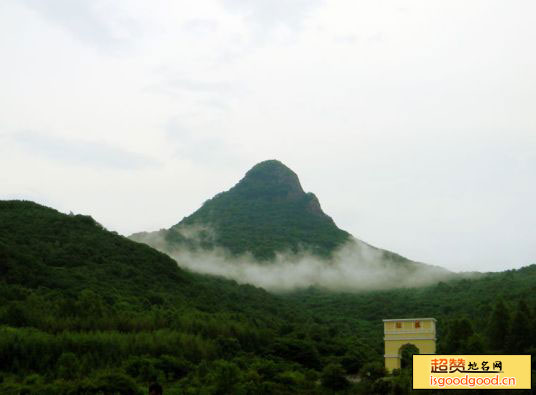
(268, 15)
(80, 152)
(354, 266)
(92, 22)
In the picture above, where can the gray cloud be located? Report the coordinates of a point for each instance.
(354, 267)
(103, 30)
(199, 26)
(208, 95)
(264, 18)
(202, 149)
(177, 86)
(201, 86)
(274, 13)
(81, 152)
(349, 39)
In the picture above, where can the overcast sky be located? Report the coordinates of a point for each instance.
(414, 122)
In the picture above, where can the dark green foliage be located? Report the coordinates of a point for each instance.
(521, 335)
(333, 377)
(406, 355)
(301, 351)
(224, 378)
(105, 287)
(499, 327)
(142, 368)
(85, 311)
(373, 371)
(464, 300)
(116, 383)
(457, 335)
(353, 360)
(174, 368)
(67, 366)
(44, 248)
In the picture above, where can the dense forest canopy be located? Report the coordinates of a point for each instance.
(84, 310)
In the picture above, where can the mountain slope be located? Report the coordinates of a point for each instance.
(45, 251)
(266, 212)
(41, 247)
(84, 310)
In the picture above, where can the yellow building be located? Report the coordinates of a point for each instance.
(420, 332)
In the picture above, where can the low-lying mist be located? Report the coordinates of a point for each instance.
(355, 266)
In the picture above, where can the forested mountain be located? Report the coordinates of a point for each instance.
(266, 212)
(267, 219)
(86, 311)
(474, 300)
(70, 261)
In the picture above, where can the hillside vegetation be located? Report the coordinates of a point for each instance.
(86, 311)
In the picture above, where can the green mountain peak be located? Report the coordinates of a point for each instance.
(266, 212)
(270, 179)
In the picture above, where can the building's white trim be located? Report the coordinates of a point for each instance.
(415, 331)
(410, 319)
(410, 338)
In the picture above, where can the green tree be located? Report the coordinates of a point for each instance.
(406, 356)
(499, 327)
(141, 367)
(372, 371)
(16, 315)
(67, 366)
(174, 368)
(333, 377)
(521, 333)
(475, 345)
(352, 361)
(459, 331)
(224, 378)
(116, 383)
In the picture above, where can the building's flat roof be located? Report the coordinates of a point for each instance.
(410, 319)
